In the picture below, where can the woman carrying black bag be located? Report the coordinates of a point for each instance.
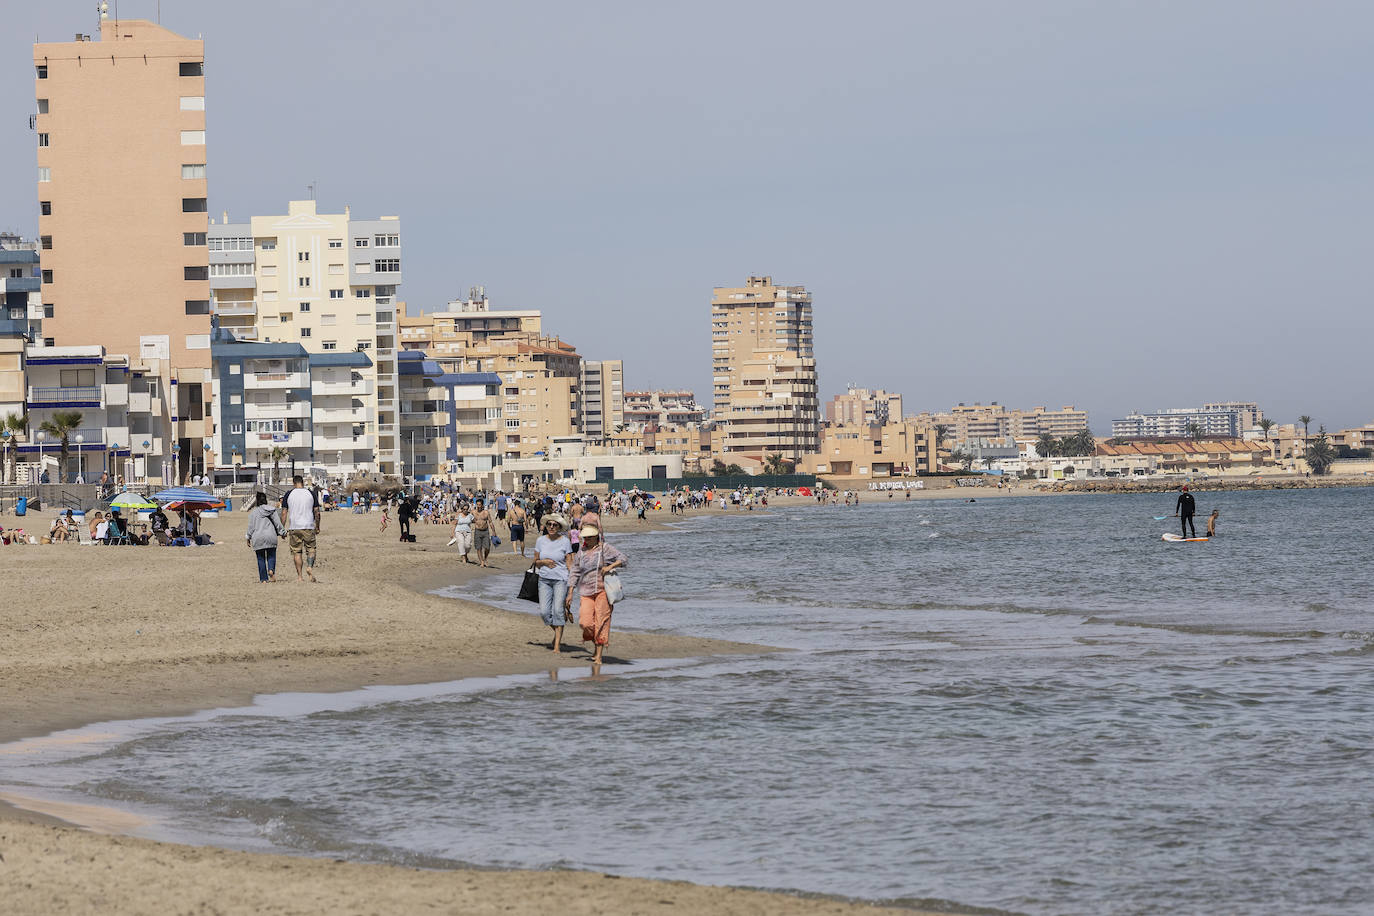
(551, 554)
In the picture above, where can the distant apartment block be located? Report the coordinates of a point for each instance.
(865, 451)
(967, 423)
(662, 409)
(465, 324)
(121, 141)
(764, 385)
(1221, 420)
(863, 405)
(327, 282)
(603, 398)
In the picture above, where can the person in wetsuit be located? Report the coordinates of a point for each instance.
(1185, 508)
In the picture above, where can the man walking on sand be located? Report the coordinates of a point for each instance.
(481, 532)
(300, 512)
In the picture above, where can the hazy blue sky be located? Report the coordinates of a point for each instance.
(1122, 205)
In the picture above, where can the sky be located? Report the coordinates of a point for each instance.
(1117, 205)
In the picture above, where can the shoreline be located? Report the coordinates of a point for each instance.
(154, 632)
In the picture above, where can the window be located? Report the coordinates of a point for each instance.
(231, 270)
(305, 332)
(364, 345)
(45, 241)
(302, 256)
(336, 269)
(193, 103)
(362, 318)
(193, 171)
(235, 399)
(48, 341)
(193, 138)
(336, 294)
(388, 265)
(235, 369)
(269, 295)
(336, 243)
(42, 106)
(303, 282)
(47, 276)
(512, 424)
(268, 245)
(197, 306)
(45, 207)
(195, 273)
(191, 68)
(305, 306)
(193, 205)
(42, 139)
(228, 244)
(193, 238)
(329, 345)
(44, 173)
(360, 243)
(269, 270)
(329, 320)
(266, 426)
(197, 342)
(42, 71)
(362, 267)
(387, 241)
(47, 311)
(362, 294)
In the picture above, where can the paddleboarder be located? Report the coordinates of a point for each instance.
(1185, 508)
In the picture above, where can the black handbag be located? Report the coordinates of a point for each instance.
(529, 588)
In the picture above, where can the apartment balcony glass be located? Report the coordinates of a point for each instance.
(297, 409)
(255, 380)
(236, 308)
(82, 396)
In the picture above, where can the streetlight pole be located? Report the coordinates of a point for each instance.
(80, 464)
(40, 436)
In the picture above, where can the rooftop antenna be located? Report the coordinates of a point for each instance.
(311, 186)
(103, 11)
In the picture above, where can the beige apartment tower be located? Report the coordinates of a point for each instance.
(764, 369)
(120, 127)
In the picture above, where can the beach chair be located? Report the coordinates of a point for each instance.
(118, 533)
(83, 534)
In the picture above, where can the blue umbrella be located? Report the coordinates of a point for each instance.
(188, 498)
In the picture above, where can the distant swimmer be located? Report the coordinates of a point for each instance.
(1185, 508)
(1212, 523)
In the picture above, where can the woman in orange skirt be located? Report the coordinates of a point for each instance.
(586, 575)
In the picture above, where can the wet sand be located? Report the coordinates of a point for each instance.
(94, 634)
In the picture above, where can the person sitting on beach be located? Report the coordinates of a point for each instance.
(158, 523)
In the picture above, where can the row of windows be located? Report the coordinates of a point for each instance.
(231, 270)
(223, 244)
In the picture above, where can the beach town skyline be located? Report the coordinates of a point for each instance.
(1073, 243)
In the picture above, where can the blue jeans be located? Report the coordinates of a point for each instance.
(552, 593)
(267, 562)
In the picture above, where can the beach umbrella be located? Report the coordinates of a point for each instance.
(132, 501)
(188, 498)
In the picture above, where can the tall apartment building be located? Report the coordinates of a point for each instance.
(760, 337)
(120, 127)
(327, 282)
(603, 398)
(21, 316)
(1221, 419)
(540, 376)
(863, 405)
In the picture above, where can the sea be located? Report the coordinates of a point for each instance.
(1020, 705)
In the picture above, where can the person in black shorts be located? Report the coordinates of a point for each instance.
(1186, 508)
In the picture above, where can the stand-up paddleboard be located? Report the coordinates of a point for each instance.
(1178, 539)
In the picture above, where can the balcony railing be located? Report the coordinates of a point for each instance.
(60, 395)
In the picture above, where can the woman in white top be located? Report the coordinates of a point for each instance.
(462, 532)
(551, 552)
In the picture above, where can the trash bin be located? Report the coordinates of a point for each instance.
(22, 506)
(228, 504)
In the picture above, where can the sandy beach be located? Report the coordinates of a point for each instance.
(96, 634)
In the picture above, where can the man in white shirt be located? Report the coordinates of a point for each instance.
(300, 515)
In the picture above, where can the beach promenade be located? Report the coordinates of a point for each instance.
(96, 634)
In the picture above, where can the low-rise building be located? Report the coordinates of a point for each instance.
(865, 451)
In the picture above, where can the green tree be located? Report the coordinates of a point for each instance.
(963, 457)
(941, 434)
(61, 426)
(1320, 454)
(1304, 420)
(776, 464)
(16, 425)
(1046, 446)
(278, 455)
(1194, 431)
(1266, 425)
(1085, 442)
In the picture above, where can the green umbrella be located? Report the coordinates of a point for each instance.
(132, 501)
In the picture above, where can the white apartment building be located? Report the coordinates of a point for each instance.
(328, 283)
(603, 398)
(1217, 420)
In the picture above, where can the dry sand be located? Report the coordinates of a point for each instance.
(93, 634)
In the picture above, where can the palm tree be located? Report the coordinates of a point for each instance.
(1266, 425)
(61, 426)
(1046, 445)
(941, 433)
(773, 464)
(1194, 431)
(1087, 443)
(1304, 420)
(963, 457)
(15, 425)
(278, 455)
(1320, 455)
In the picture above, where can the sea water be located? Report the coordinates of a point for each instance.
(1028, 705)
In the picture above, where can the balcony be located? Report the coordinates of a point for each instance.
(268, 441)
(115, 395)
(358, 388)
(275, 380)
(231, 309)
(342, 443)
(85, 396)
(338, 415)
(425, 418)
(140, 402)
(276, 411)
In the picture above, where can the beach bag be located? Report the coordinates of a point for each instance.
(495, 540)
(615, 590)
(529, 586)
